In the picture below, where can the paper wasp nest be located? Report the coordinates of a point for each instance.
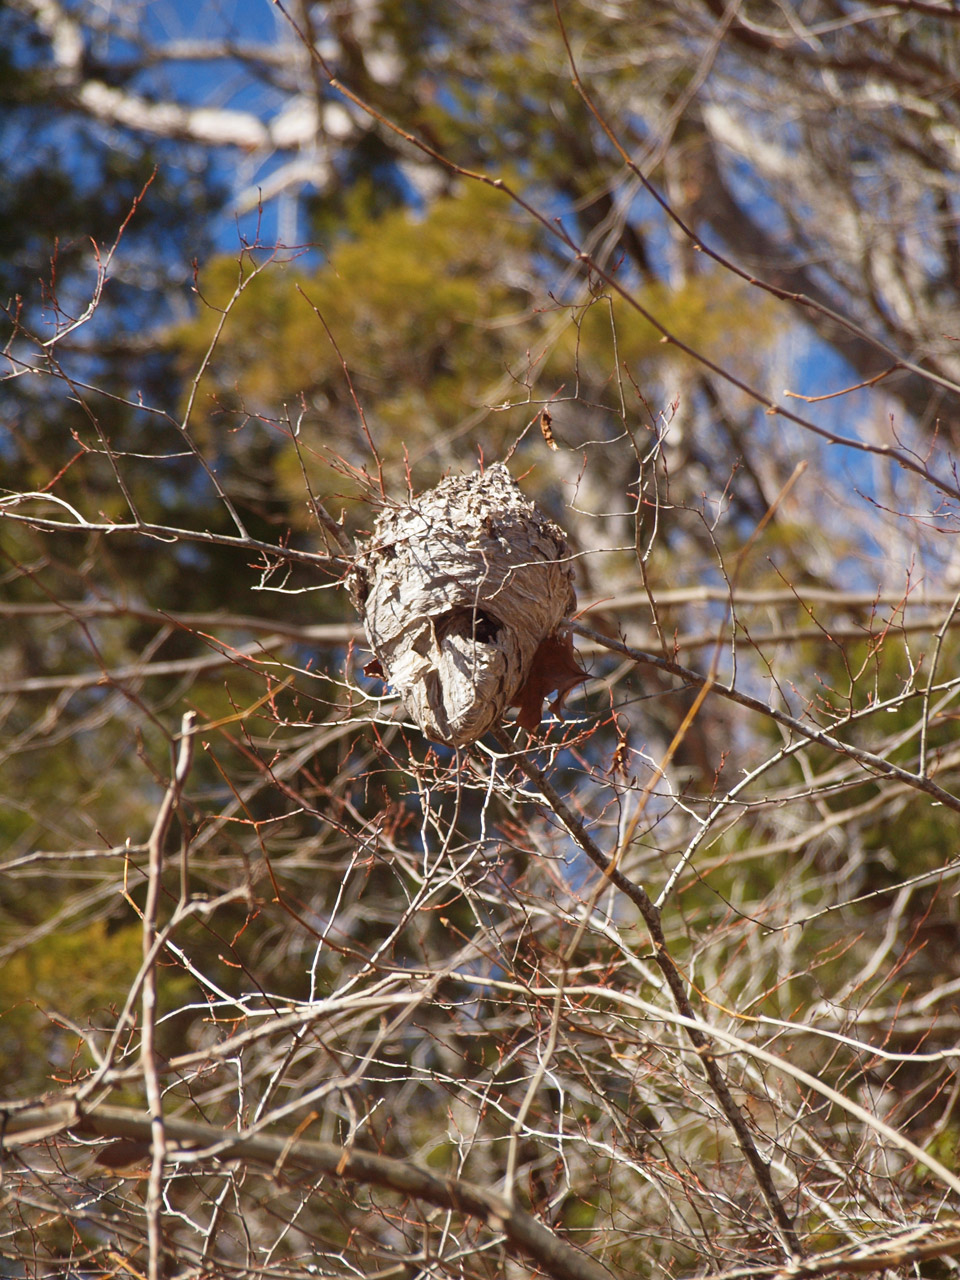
(457, 591)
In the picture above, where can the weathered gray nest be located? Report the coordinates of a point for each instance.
(456, 591)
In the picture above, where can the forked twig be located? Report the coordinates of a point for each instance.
(557, 230)
(525, 1236)
(869, 759)
(651, 918)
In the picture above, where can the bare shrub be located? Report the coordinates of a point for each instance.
(306, 971)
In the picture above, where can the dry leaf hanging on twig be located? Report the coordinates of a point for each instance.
(555, 667)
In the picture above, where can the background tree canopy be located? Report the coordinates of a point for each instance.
(668, 988)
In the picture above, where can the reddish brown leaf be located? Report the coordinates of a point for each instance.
(555, 666)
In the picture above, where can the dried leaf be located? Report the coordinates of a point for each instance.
(555, 666)
(619, 762)
(547, 430)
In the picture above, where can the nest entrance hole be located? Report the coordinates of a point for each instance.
(471, 624)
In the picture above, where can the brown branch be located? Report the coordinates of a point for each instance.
(526, 1237)
(165, 533)
(885, 1254)
(918, 599)
(868, 759)
(247, 656)
(591, 267)
(651, 918)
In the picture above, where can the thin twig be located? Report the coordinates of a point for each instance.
(651, 918)
(526, 1237)
(868, 759)
(148, 1060)
(800, 299)
(353, 394)
(163, 533)
(590, 266)
(928, 691)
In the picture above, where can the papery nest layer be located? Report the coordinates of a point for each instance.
(461, 592)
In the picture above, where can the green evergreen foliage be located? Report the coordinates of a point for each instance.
(65, 985)
(428, 318)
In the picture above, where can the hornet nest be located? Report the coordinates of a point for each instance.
(461, 592)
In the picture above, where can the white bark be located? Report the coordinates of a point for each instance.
(297, 126)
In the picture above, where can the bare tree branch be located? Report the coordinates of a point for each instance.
(527, 1237)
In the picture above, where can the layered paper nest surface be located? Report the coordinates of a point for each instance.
(456, 591)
